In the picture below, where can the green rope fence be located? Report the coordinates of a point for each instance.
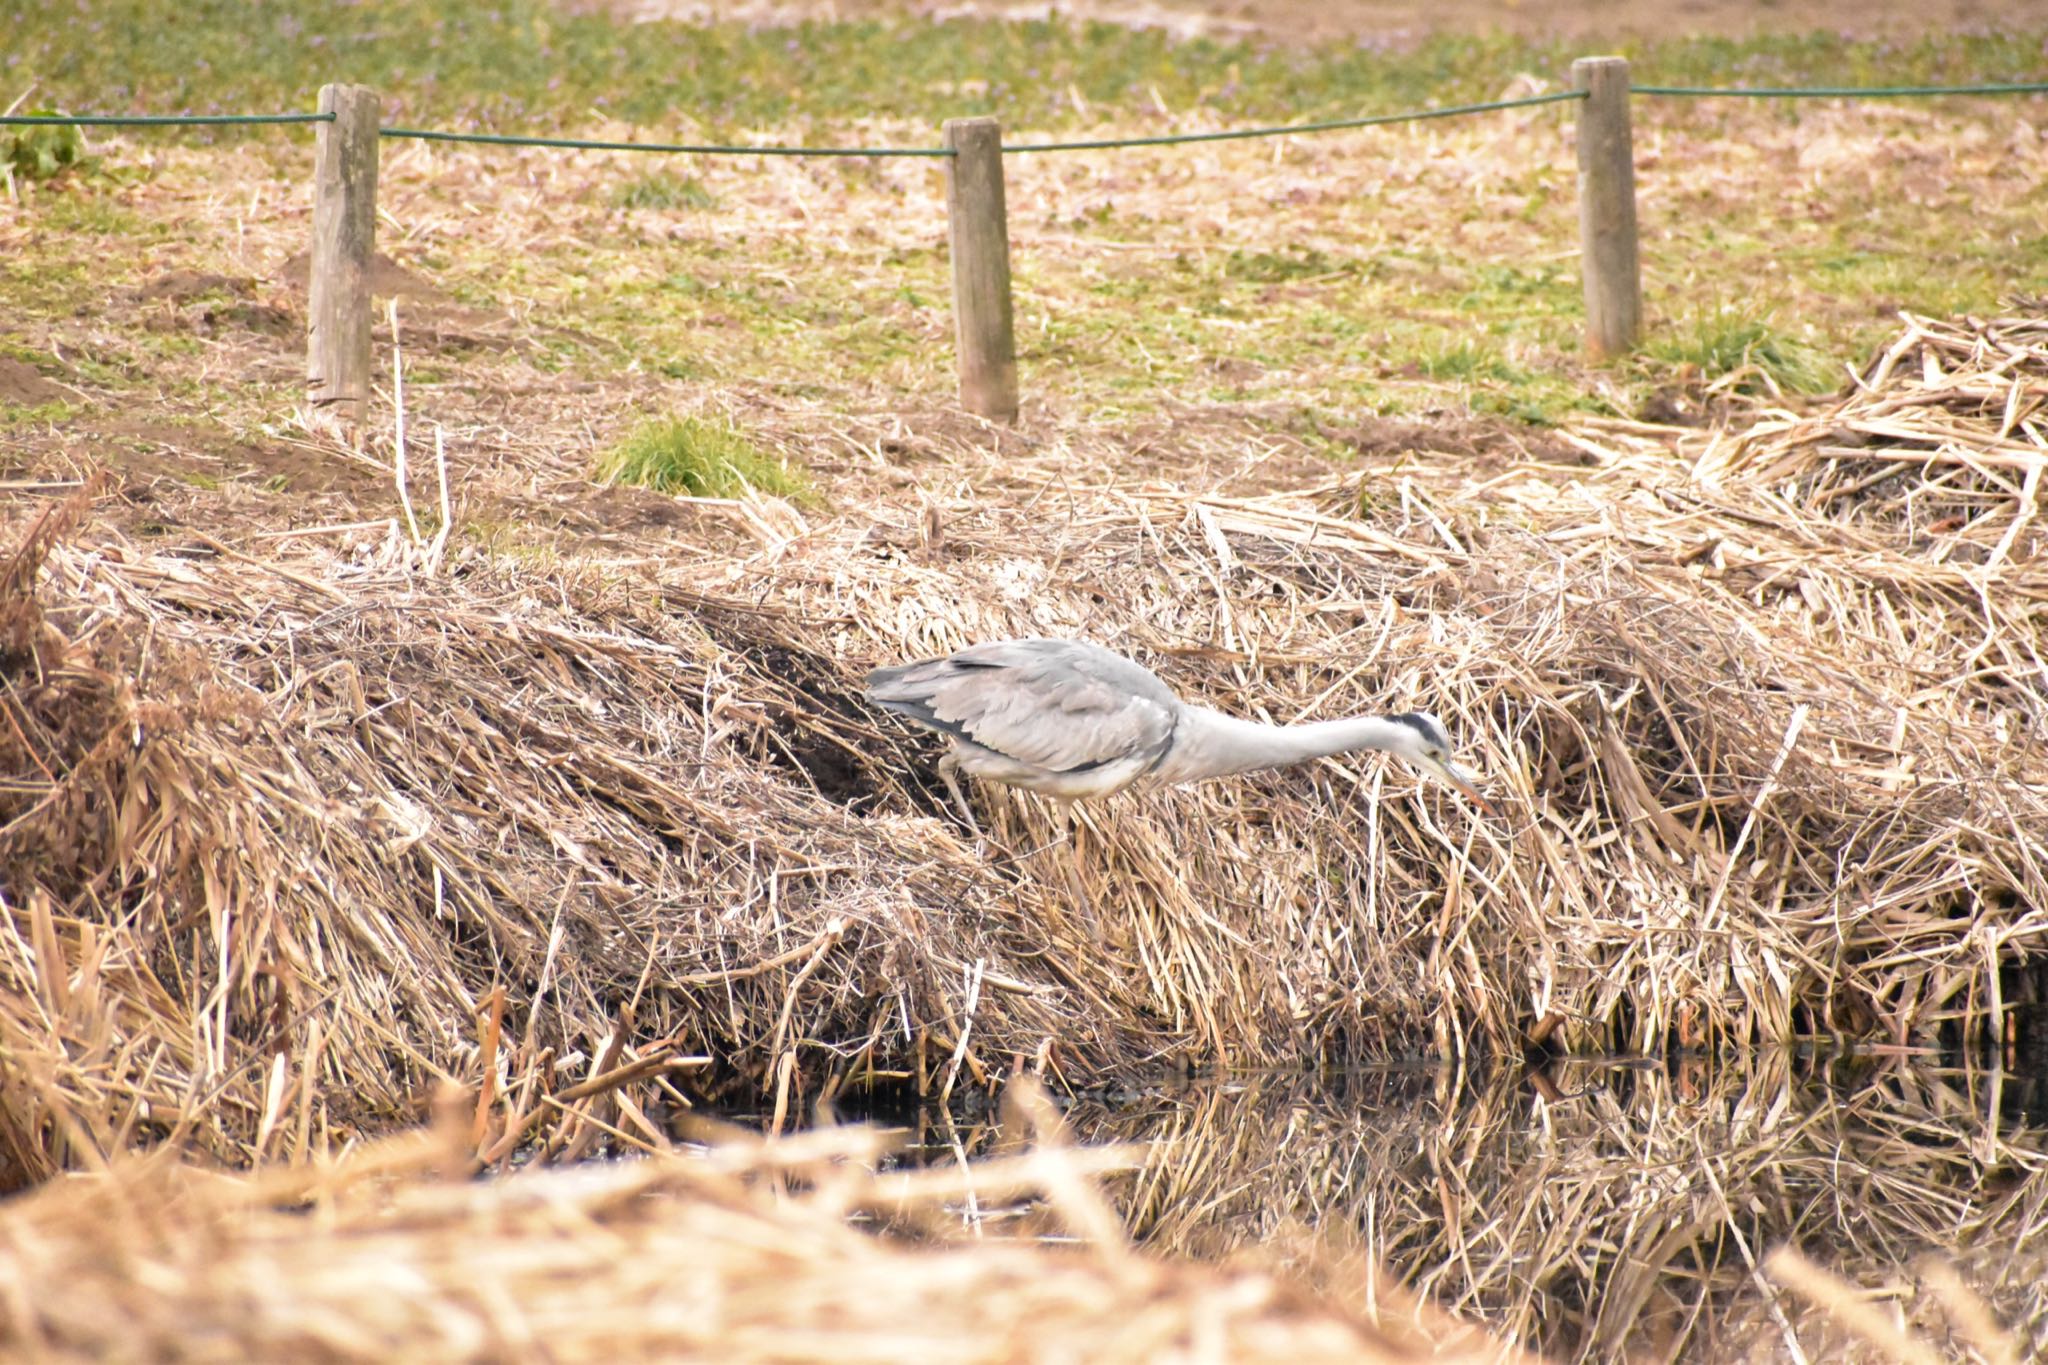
(579, 144)
(1161, 140)
(1285, 129)
(1820, 92)
(1081, 145)
(345, 179)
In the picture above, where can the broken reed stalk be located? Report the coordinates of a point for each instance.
(439, 548)
(400, 473)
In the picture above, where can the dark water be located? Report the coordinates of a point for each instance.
(1596, 1209)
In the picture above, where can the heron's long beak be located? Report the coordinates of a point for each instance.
(1464, 780)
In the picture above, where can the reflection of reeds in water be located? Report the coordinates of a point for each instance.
(1597, 1210)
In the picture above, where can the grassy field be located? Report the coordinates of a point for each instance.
(538, 66)
(1399, 271)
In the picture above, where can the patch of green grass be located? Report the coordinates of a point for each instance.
(39, 152)
(1466, 361)
(35, 414)
(1288, 263)
(661, 190)
(698, 457)
(95, 214)
(690, 286)
(1746, 343)
(1540, 404)
(800, 311)
(1517, 289)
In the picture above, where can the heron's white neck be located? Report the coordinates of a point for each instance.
(1210, 744)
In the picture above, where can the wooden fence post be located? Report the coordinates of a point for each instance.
(1607, 208)
(344, 236)
(978, 231)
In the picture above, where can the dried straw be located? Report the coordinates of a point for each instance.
(741, 1252)
(297, 827)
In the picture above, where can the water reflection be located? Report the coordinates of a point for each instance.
(1597, 1210)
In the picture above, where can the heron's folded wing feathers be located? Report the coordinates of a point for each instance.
(1061, 709)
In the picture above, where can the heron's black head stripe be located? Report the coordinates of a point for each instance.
(1425, 726)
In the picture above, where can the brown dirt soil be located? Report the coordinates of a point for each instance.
(24, 385)
(388, 279)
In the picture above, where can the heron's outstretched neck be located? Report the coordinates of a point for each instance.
(1210, 744)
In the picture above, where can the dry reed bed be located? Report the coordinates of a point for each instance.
(740, 1252)
(1595, 1212)
(286, 818)
(316, 822)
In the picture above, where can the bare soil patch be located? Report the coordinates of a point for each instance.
(388, 279)
(1484, 443)
(24, 385)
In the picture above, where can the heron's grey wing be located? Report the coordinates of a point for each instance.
(1060, 705)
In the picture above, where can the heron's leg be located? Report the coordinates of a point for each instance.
(949, 769)
(1075, 880)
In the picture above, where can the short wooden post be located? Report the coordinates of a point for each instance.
(1607, 208)
(978, 229)
(344, 236)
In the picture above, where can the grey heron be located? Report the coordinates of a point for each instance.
(1074, 721)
